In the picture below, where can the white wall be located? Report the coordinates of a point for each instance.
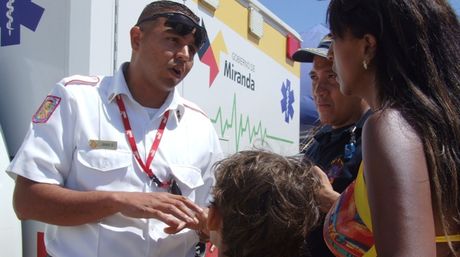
(10, 226)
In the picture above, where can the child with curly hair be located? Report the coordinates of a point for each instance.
(264, 205)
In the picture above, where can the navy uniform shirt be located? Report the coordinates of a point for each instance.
(327, 152)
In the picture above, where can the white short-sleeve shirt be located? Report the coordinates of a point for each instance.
(58, 150)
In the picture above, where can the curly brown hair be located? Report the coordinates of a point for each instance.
(267, 203)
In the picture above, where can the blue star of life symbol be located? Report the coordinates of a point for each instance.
(13, 14)
(287, 101)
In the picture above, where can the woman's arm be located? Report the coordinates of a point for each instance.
(398, 187)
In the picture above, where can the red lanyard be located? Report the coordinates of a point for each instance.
(132, 142)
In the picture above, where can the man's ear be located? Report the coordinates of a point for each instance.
(370, 46)
(135, 35)
(214, 218)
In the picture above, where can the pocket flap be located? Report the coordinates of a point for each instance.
(104, 160)
(190, 176)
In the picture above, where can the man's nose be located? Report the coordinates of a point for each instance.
(320, 87)
(184, 53)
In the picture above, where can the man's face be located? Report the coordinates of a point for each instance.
(165, 57)
(333, 107)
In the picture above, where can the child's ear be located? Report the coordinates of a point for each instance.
(214, 218)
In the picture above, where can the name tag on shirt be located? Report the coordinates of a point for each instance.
(102, 144)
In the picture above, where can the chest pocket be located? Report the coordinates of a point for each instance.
(101, 169)
(188, 179)
(104, 160)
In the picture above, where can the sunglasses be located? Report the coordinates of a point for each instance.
(182, 25)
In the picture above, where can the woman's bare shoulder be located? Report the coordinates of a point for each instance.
(389, 125)
(391, 144)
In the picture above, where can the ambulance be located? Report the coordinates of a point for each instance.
(244, 78)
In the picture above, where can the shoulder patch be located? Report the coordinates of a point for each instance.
(47, 108)
(194, 108)
(81, 80)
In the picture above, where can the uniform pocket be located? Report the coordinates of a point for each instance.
(188, 179)
(104, 160)
(104, 170)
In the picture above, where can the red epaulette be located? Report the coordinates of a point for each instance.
(196, 109)
(81, 80)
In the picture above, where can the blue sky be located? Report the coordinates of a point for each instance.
(306, 17)
(301, 15)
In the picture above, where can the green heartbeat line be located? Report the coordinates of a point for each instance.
(243, 125)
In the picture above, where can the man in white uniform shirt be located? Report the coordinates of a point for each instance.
(121, 165)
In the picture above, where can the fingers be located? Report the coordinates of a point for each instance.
(322, 176)
(203, 218)
(175, 225)
(201, 226)
(184, 209)
(169, 219)
(189, 204)
(178, 212)
(174, 230)
(318, 171)
(326, 195)
(199, 223)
